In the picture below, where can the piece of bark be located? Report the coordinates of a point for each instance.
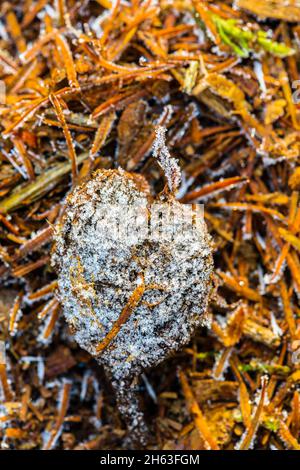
(260, 334)
(214, 390)
(215, 103)
(59, 362)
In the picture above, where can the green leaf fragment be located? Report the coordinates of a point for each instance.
(276, 48)
(243, 41)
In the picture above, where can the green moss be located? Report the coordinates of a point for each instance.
(243, 41)
(256, 366)
(272, 424)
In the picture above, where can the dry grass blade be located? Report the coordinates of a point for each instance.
(194, 409)
(60, 116)
(247, 439)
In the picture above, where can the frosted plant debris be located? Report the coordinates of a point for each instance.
(130, 301)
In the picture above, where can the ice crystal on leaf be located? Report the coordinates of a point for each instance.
(162, 277)
(131, 297)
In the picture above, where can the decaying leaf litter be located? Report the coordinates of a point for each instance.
(87, 83)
